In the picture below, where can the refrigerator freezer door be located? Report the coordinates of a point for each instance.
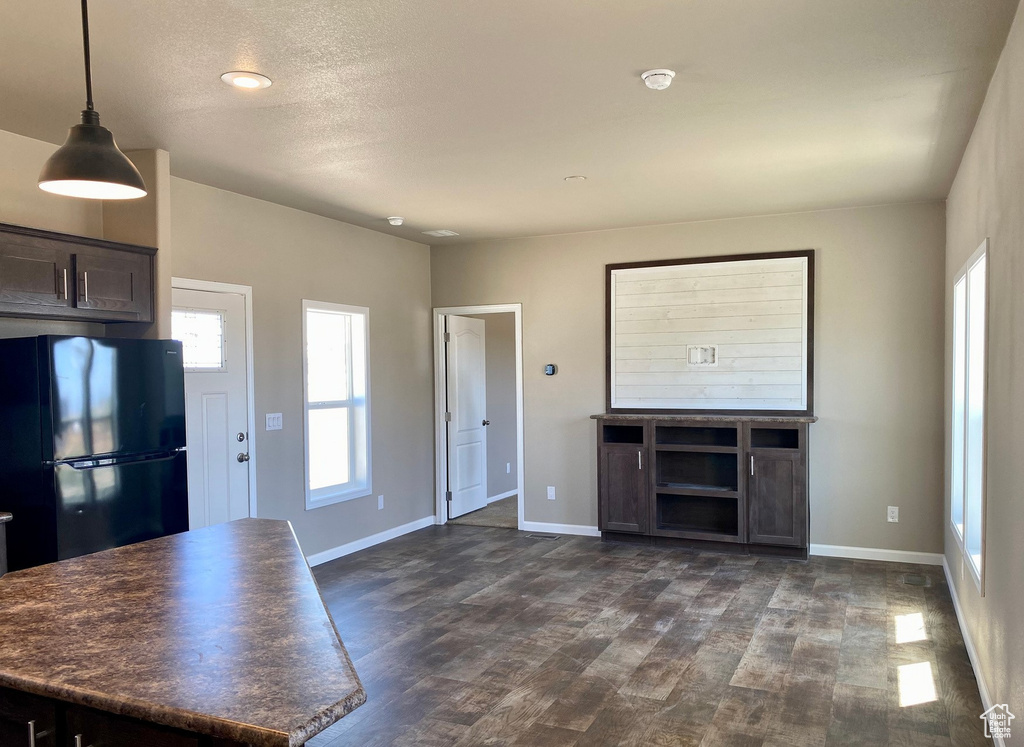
(113, 396)
(118, 504)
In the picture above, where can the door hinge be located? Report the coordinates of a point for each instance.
(447, 336)
(448, 495)
(447, 417)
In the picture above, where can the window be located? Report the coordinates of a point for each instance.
(967, 470)
(202, 338)
(336, 394)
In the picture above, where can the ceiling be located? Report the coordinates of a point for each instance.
(468, 115)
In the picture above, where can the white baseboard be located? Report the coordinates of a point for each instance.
(502, 496)
(374, 539)
(877, 553)
(972, 651)
(578, 529)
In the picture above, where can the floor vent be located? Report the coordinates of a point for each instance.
(915, 579)
(543, 536)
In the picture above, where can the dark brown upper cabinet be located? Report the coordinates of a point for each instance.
(51, 275)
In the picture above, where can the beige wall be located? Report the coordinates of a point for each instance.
(986, 201)
(500, 339)
(878, 356)
(286, 256)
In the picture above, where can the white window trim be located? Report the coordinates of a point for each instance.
(327, 496)
(976, 573)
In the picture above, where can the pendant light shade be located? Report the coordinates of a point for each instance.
(89, 163)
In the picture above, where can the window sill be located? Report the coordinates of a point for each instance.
(330, 500)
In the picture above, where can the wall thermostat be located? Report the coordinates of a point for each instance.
(550, 369)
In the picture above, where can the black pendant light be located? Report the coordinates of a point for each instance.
(89, 163)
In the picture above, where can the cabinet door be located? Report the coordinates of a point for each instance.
(116, 283)
(34, 276)
(107, 730)
(777, 498)
(26, 720)
(623, 489)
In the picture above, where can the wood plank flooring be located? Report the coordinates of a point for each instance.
(476, 636)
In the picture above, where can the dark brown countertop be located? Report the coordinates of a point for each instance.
(706, 418)
(220, 631)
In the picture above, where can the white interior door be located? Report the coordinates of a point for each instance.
(467, 406)
(211, 327)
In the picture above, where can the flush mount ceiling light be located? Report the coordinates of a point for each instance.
(89, 163)
(396, 220)
(246, 80)
(658, 80)
(575, 178)
(441, 233)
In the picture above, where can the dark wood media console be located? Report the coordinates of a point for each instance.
(729, 482)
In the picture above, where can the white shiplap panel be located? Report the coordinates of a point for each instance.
(777, 363)
(714, 337)
(710, 377)
(714, 282)
(678, 352)
(757, 308)
(705, 324)
(710, 297)
(753, 311)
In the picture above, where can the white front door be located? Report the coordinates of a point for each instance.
(467, 404)
(211, 327)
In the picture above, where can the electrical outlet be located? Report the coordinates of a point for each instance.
(380, 503)
(508, 468)
(275, 421)
(551, 492)
(894, 514)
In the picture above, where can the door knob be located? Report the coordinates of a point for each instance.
(242, 457)
(486, 422)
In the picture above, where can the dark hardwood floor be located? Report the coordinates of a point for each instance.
(475, 636)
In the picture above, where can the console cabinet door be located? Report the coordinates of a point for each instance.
(34, 276)
(777, 498)
(98, 729)
(119, 284)
(625, 505)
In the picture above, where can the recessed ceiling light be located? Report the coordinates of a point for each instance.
(441, 233)
(576, 178)
(248, 81)
(659, 79)
(396, 220)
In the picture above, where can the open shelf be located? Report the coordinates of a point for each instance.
(697, 470)
(697, 514)
(695, 435)
(774, 438)
(623, 434)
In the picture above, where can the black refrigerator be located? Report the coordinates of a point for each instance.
(92, 444)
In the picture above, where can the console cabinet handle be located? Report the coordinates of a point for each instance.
(33, 735)
(751, 465)
(639, 460)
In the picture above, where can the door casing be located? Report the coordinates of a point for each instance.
(440, 379)
(246, 292)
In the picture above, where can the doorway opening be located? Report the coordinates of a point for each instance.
(478, 355)
(213, 321)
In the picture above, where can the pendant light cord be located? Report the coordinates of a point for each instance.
(88, 60)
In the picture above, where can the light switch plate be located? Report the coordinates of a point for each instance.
(275, 421)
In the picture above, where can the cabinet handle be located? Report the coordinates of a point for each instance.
(85, 281)
(33, 735)
(639, 460)
(79, 742)
(751, 465)
(65, 283)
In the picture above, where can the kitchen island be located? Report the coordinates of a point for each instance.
(217, 636)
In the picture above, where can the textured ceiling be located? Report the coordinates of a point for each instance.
(467, 115)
